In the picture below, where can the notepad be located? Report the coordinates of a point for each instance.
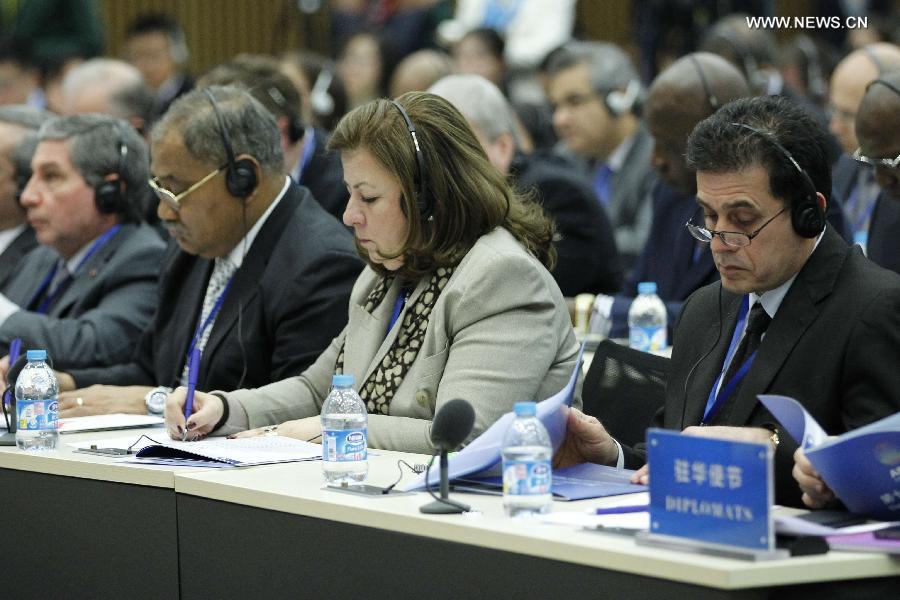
(108, 423)
(218, 452)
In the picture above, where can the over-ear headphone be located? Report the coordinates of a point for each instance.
(295, 127)
(807, 217)
(321, 101)
(240, 175)
(711, 98)
(619, 103)
(108, 193)
(423, 198)
(886, 84)
(879, 66)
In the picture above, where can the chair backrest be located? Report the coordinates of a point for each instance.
(624, 388)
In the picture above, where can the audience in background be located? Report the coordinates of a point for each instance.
(323, 98)
(365, 64)
(418, 71)
(480, 52)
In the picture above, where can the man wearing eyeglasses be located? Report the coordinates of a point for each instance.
(797, 312)
(261, 275)
(877, 127)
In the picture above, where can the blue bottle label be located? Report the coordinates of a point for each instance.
(647, 339)
(344, 445)
(37, 415)
(526, 477)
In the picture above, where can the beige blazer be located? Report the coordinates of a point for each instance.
(499, 333)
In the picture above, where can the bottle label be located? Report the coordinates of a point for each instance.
(344, 445)
(647, 339)
(526, 477)
(37, 415)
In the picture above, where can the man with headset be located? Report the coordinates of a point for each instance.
(595, 92)
(86, 292)
(797, 311)
(261, 275)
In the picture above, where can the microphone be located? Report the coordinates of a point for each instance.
(8, 438)
(452, 423)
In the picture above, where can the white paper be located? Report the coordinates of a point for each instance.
(108, 422)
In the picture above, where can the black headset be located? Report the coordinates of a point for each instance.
(108, 193)
(711, 98)
(423, 198)
(807, 217)
(240, 175)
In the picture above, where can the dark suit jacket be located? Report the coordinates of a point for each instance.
(883, 245)
(834, 345)
(285, 304)
(324, 176)
(667, 259)
(99, 316)
(631, 206)
(588, 260)
(11, 259)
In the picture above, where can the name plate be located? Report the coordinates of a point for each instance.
(715, 493)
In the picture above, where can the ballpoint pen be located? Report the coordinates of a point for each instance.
(621, 510)
(193, 368)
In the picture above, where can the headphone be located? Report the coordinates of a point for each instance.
(879, 66)
(619, 103)
(240, 175)
(886, 84)
(711, 98)
(295, 127)
(108, 193)
(423, 198)
(321, 101)
(807, 217)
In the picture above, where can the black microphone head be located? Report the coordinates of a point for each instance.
(14, 369)
(452, 424)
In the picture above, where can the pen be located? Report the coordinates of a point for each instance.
(193, 368)
(620, 510)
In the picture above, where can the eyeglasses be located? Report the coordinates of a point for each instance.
(173, 199)
(890, 163)
(735, 239)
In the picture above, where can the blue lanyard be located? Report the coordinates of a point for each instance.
(309, 146)
(198, 333)
(48, 301)
(498, 14)
(399, 303)
(715, 401)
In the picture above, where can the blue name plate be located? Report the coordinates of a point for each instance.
(715, 492)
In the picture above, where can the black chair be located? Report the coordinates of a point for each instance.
(624, 388)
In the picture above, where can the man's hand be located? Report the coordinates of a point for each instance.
(103, 400)
(586, 441)
(815, 493)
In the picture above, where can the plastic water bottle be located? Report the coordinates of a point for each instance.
(344, 434)
(647, 319)
(37, 404)
(527, 474)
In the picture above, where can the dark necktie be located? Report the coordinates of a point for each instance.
(757, 323)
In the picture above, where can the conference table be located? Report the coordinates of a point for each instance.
(85, 526)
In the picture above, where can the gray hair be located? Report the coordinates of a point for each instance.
(94, 143)
(20, 157)
(481, 103)
(26, 116)
(251, 128)
(609, 66)
(125, 88)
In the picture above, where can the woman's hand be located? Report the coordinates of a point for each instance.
(207, 410)
(308, 430)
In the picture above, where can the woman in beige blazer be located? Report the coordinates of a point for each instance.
(456, 301)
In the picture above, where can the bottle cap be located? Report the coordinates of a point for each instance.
(525, 409)
(647, 287)
(36, 355)
(342, 380)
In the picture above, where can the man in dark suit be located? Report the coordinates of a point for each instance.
(587, 256)
(797, 311)
(306, 158)
(87, 292)
(18, 138)
(595, 91)
(261, 275)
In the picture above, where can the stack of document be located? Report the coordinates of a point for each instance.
(223, 452)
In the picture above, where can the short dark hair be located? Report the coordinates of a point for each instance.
(718, 146)
(160, 23)
(490, 38)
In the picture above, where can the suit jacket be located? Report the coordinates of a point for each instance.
(883, 244)
(99, 316)
(499, 333)
(670, 258)
(631, 206)
(284, 305)
(834, 345)
(11, 259)
(587, 257)
(324, 176)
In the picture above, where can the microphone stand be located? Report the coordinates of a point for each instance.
(443, 505)
(8, 437)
